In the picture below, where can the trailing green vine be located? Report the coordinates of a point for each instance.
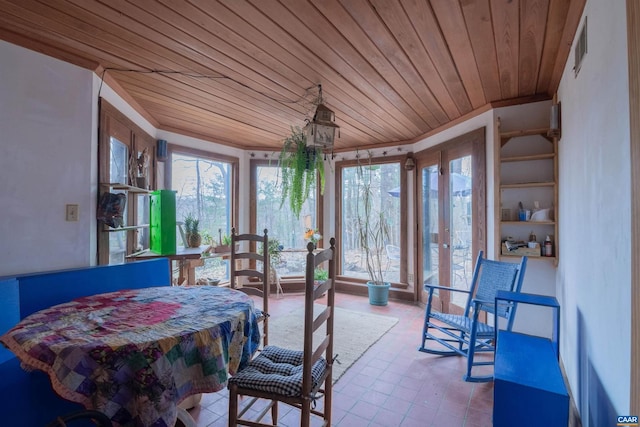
(299, 166)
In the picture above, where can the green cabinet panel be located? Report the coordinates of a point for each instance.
(163, 222)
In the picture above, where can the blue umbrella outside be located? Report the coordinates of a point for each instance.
(461, 185)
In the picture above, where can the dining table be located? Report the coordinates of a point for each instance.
(136, 354)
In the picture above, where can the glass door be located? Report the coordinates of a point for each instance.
(429, 213)
(458, 225)
(451, 217)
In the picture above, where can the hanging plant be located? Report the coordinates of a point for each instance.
(299, 165)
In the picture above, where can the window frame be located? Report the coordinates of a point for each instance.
(234, 174)
(115, 124)
(254, 164)
(404, 200)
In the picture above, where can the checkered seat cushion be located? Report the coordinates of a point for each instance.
(278, 370)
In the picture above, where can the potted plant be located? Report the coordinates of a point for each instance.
(299, 165)
(373, 232)
(275, 257)
(192, 232)
(320, 275)
(275, 248)
(224, 243)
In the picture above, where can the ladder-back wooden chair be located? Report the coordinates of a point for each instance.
(467, 334)
(294, 377)
(256, 254)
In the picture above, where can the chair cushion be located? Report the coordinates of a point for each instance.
(464, 323)
(278, 370)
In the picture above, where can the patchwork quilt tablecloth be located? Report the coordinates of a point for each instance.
(136, 354)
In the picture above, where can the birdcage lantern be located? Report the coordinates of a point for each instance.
(321, 131)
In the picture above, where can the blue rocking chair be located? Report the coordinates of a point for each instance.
(466, 334)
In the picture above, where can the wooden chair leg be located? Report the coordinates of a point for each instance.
(305, 420)
(233, 406)
(274, 413)
(328, 397)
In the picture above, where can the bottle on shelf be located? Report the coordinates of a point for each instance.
(548, 246)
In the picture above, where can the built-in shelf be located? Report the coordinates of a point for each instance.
(528, 158)
(528, 185)
(529, 257)
(125, 228)
(125, 187)
(528, 223)
(523, 132)
(132, 191)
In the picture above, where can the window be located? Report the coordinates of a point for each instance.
(121, 145)
(386, 177)
(281, 223)
(203, 183)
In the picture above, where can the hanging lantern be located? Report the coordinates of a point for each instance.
(321, 131)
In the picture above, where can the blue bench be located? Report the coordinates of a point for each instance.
(529, 389)
(27, 397)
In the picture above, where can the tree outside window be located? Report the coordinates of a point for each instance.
(277, 217)
(203, 189)
(384, 179)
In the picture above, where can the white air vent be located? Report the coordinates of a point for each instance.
(581, 48)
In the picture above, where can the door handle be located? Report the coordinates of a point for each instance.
(445, 245)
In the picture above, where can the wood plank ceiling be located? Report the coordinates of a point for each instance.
(242, 72)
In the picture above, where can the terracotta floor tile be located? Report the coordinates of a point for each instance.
(344, 402)
(405, 393)
(374, 397)
(365, 410)
(350, 389)
(383, 386)
(386, 418)
(397, 404)
(444, 419)
(351, 420)
(422, 413)
(392, 384)
(458, 410)
(478, 418)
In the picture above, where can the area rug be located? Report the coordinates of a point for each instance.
(353, 333)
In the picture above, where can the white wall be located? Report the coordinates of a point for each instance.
(46, 141)
(594, 274)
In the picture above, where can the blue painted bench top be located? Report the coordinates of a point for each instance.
(529, 389)
(27, 398)
(529, 361)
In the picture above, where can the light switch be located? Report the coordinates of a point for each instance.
(72, 212)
